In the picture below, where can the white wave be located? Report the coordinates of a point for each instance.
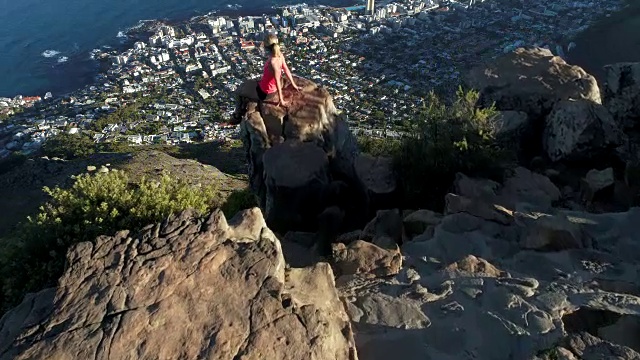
(140, 24)
(62, 59)
(50, 53)
(121, 34)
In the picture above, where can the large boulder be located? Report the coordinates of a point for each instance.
(531, 81)
(525, 186)
(596, 181)
(510, 128)
(184, 289)
(377, 178)
(622, 93)
(295, 177)
(256, 141)
(296, 154)
(578, 130)
(365, 257)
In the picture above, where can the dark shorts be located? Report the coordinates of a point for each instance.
(261, 94)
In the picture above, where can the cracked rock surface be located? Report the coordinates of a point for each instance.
(503, 274)
(184, 289)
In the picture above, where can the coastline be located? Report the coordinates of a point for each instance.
(607, 40)
(80, 70)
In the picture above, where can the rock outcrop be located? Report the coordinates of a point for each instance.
(530, 283)
(579, 129)
(305, 157)
(622, 93)
(532, 81)
(551, 106)
(183, 289)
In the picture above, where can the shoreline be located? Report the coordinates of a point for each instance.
(585, 54)
(121, 43)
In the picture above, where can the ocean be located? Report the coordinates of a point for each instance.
(46, 45)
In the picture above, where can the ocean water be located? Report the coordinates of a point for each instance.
(46, 45)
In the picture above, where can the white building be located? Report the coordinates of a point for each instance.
(370, 6)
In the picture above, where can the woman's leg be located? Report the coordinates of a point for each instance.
(272, 115)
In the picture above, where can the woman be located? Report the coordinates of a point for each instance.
(270, 85)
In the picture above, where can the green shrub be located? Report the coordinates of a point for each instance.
(95, 205)
(447, 140)
(378, 146)
(115, 147)
(443, 140)
(239, 200)
(69, 146)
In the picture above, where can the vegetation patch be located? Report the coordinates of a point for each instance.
(443, 140)
(13, 160)
(69, 146)
(33, 258)
(237, 201)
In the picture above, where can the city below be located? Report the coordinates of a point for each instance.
(175, 84)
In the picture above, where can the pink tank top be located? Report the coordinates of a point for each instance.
(268, 82)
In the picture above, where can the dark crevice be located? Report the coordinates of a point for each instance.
(588, 320)
(286, 301)
(619, 329)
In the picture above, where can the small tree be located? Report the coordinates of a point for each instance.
(445, 140)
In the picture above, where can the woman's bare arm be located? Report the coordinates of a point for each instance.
(288, 73)
(277, 73)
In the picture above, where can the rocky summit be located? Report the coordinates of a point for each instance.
(184, 289)
(540, 265)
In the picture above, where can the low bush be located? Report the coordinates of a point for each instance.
(237, 201)
(378, 146)
(10, 162)
(99, 204)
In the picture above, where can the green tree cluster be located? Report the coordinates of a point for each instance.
(123, 115)
(100, 204)
(69, 146)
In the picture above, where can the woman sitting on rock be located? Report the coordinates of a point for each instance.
(270, 85)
